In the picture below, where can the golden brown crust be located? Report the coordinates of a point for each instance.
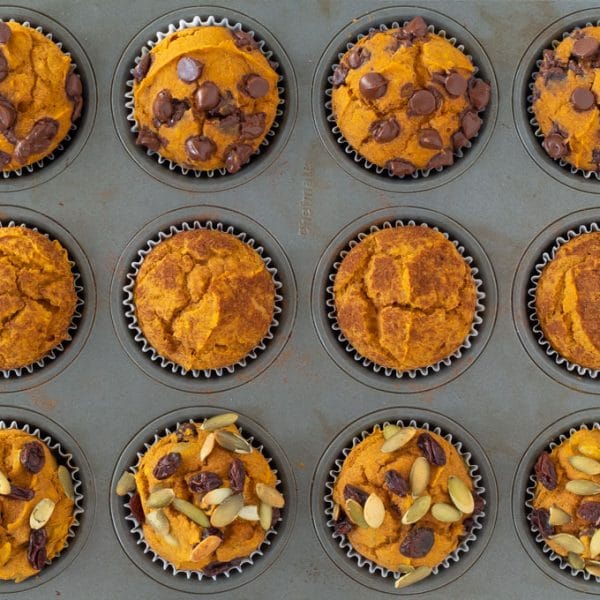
(405, 297)
(37, 296)
(204, 299)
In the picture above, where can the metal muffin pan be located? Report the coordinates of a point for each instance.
(103, 195)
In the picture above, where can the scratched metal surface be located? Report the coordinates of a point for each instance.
(304, 399)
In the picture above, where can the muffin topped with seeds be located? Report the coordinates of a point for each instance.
(407, 99)
(205, 497)
(405, 500)
(205, 98)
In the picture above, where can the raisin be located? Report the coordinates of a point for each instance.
(540, 519)
(135, 506)
(545, 471)
(204, 482)
(32, 457)
(417, 543)
(431, 450)
(396, 483)
(355, 493)
(36, 552)
(167, 465)
(343, 525)
(590, 512)
(20, 493)
(237, 475)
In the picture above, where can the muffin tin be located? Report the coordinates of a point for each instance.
(303, 199)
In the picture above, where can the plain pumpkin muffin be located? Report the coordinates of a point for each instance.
(36, 505)
(566, 506)
(204, 299)
(407, 99)
(204, 496)
(405, 297)
(567, 301)
(40, 96)
(405, 499)
(205, 98)
(37, 296)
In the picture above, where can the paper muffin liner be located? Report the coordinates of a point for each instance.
(243, 562)
(63, 458)
(129, 303)
(198, 21)
(478, 488)
(387, 371)
(553, 556)
(536, 326)
(77, 314)
(337, 132)
(27, 169)
(537, 131)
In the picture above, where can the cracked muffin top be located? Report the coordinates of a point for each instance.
(407, 99)
(205, 98)
(405, 297)
(567, 300)
(204, 299)
(37, 296)
(40, 95)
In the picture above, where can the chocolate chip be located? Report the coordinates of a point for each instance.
(355, 493)
(225, 107)
(8, 114)
(445, 158)
(231, 124)
(253, 125)
(36, 551)
(236, 156)
(204, 482)
(373, 86)
(540, 519)
(479, 93)
(385, 130)
(576, 68)
(167, 465)
(398, 167)
(141, 69)
(5, 33)
(554, 73)
(200, 147)
(586, 47)
(429, 447)
(422, 103)
(77, 108)
(37, 140)
(254, 85)
(32, 457)
(339, 75)
(207, 96)
(582, 99)
(456, 84)
(357, 57)
(136, 508)
(396, 483)
(73, 85)
(471, 124)
(417, 543)
(5, 158)
(590, 512)
(243, 40)
(237, 475)
(189, 69)
(20, 493)
(545, 471)
(407, 90)
(430, 138)
(146, 137)
(162, 107)
(416, 27)
(556, 147)
(3, 66)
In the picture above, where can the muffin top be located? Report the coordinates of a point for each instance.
(36, 505)
(205, 496)
(37, 296)
(405, 297)
(567, 300)
(40, 95)
(205, 98)
(204, 299)
(565, 99)
(407, 99)
(403, 498)
(566, 510)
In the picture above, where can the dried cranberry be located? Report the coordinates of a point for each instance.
(237, 475)
(545, 471)
(32, 457)
(36, 552)
(355, 493)
(396, 483)
(167, 465)
(417, 543)
(540, 519)
(431, 450)
(203, 482)
(590, 512)
(136, 508)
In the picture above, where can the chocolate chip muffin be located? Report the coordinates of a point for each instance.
(405, 500)
(204, 496)
(405, 297)
(205, 98)
(566, 511)
(37, 296)
(565, 99)
(406, 99)
(567, 301)
(36, 505)
(40, 96)
(204, 299)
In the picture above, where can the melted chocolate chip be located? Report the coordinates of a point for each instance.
(5, 33)
(471, 124)
(576, 68)
(3, 67)
(357, 57)
(5, 158)
(141, 69)
(339, 75)
(8, 114)
(37, 140)
(373, 86)
(385, 130)
(253, 125)
(207, 96)
(444, 158)
(243, 40)
(554, 73)
(398, 167)
(416, 27)
(582, 99)
(236, 156)
(456, 84)
(407, 90)
(189, 69)
(73, 85)
(556, 147)
(200, 147)
(32, 457)
(430, 138)
(422, 103)
(146, 137)
(254, 85)
(586, 47)
(459, 140)
(479, 93)
(230, 124)
(162, 107)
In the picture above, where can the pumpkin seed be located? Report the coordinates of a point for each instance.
(590, 450)
(399, 439)
(405, 569)
(355, 512)
(207, 447)
(412, 577)
(41, 513)
(233, 442)
(265, 515)
(226, 512)
(205, 548)
(586, 465)
(593, 568)
(125, 484)
(219, 421)
(568, 542)
(5, 553)
(158, 521)
(374, 511)
(575, 561)
(390, 430)
(335, 513)
(445, 513)
(558, 516)
(216, 496)
(417, 511)
(171, 540)
(249, 513)
(66, 481)
(420, 473)
(461, 495)
(161, 498)
(191, 511)
(595, 544)
(582, 487)
(4, 484)
(269, 495)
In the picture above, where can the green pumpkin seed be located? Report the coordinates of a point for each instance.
(595, 544)
(420, 474)
(265, 515)
(583, 487)
(161, 498)
(568, 542)
(227, 512)
(390, 431)
(445, 513)
(586, 465)
(66, 481)
(399, 439)
(418, 509)
(232, 442)
(575, 561)
(461, 495)
(593, 568)
(412, 577)
(191, 511)
(125, 484)
(41, 513)
(355, 512)
(558, 516)
(219, 421)
(158, 521)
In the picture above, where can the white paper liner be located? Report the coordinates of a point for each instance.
(348, 149)
(412, 373)
(18, 371)
(556, 558)
(344, 542)
(534, 122)
(27, 169)
(130, 304)
(65, 458)
(197, 22)
(532, 291)
(138, 530)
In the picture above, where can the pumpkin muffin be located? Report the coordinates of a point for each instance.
(405, 297)
(405, 499)
(204, 496)
(566, 510)
(407, 99)
(40, 96)
(568, 301)
(565, 99)
(37, 296)
(204, 299)
(36, 505)
(205, 98)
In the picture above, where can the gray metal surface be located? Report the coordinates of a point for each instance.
(303, 199)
